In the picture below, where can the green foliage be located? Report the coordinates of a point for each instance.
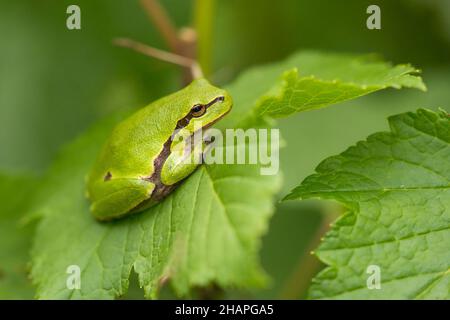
(206, 231)
(55, 83)
(312, 80)
(396, 188)
(14, 237)
(182, 239)
(43, 106)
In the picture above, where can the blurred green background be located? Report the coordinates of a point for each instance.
(54, 82)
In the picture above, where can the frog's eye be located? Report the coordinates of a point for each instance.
(198, 110)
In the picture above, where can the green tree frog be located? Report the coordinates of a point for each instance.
(137, 167)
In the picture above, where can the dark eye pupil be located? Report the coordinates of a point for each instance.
(197, 108)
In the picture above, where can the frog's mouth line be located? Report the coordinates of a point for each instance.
(161, 190)
(214, 101)
(184, 122)
(219, 118)
(164, 154)
(206, 137)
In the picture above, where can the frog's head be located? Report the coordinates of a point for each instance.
(205, 105)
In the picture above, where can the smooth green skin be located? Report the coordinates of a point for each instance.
(133, 145)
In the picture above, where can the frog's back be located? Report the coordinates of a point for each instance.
(124, 178)
(133, 145)
(137, 141)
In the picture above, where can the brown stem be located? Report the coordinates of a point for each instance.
(162, 21)
(182, 43)
(187, 47)
(211, 292)
(308, 264)
(192, 65)
(153, 52)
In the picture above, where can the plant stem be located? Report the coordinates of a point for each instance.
(192, 65)
(187, 47)
(203, 20)
(308, 265)
(162, 21)
(154, 52)
(182, 43)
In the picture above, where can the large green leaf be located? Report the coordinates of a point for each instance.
(396, 188)
(310, 80)
(15, 239)
(208, 230)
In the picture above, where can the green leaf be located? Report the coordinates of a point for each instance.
(310, 80)
(207, 231)
(396, 188)
(15, 239)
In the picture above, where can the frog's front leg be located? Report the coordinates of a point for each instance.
(183, 160)
(116, 197)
